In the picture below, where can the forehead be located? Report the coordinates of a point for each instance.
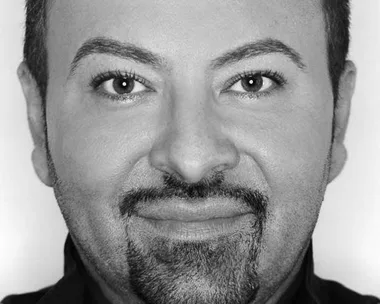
(193, 30)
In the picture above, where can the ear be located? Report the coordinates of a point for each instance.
(342, 113)
(36, 121)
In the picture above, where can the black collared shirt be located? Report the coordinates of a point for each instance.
(75, 286)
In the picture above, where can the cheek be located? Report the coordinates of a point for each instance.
(297, 152)
(294, 162)
(94, 152)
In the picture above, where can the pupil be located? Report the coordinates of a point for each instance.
(123, 85)
(252, 83)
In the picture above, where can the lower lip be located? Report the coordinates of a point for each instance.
(194, 231)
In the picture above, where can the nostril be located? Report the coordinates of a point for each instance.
(192, 157)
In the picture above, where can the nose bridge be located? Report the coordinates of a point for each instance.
(193, 138)
(193, 144)
(191, 117)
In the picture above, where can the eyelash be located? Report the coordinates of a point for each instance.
(277, 77)
(97, 81)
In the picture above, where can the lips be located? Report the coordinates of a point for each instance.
(192, 211)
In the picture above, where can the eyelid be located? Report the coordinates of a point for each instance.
(99, 79)
(277, 77)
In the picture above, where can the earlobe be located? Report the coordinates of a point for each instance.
(36, 121)
(341, 115)
(40, 166)
(338, 160)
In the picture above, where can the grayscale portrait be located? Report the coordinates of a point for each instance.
(188, 152)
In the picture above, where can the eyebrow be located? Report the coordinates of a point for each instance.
(108, 46)
(130, 51)
(255, 49)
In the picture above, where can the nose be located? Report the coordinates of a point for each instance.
(193, 144)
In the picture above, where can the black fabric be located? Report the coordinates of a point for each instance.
(77, 287)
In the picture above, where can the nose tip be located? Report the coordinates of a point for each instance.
(194, 159)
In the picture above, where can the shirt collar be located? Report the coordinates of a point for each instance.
(77, 286)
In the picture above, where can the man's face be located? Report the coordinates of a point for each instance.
(124, 151)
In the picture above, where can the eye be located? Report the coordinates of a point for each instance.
(255, 84)
(252, 84)
(122, 86)
(118, 85)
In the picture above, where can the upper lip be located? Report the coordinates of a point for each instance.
(189, 211)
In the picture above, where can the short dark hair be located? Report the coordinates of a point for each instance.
(336, 16)
(35, 51)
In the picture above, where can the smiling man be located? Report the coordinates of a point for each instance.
(189, 145)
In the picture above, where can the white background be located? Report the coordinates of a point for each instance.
(347, 237)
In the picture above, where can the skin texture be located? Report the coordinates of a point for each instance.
(281, 144)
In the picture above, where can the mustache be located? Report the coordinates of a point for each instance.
(213, 186)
